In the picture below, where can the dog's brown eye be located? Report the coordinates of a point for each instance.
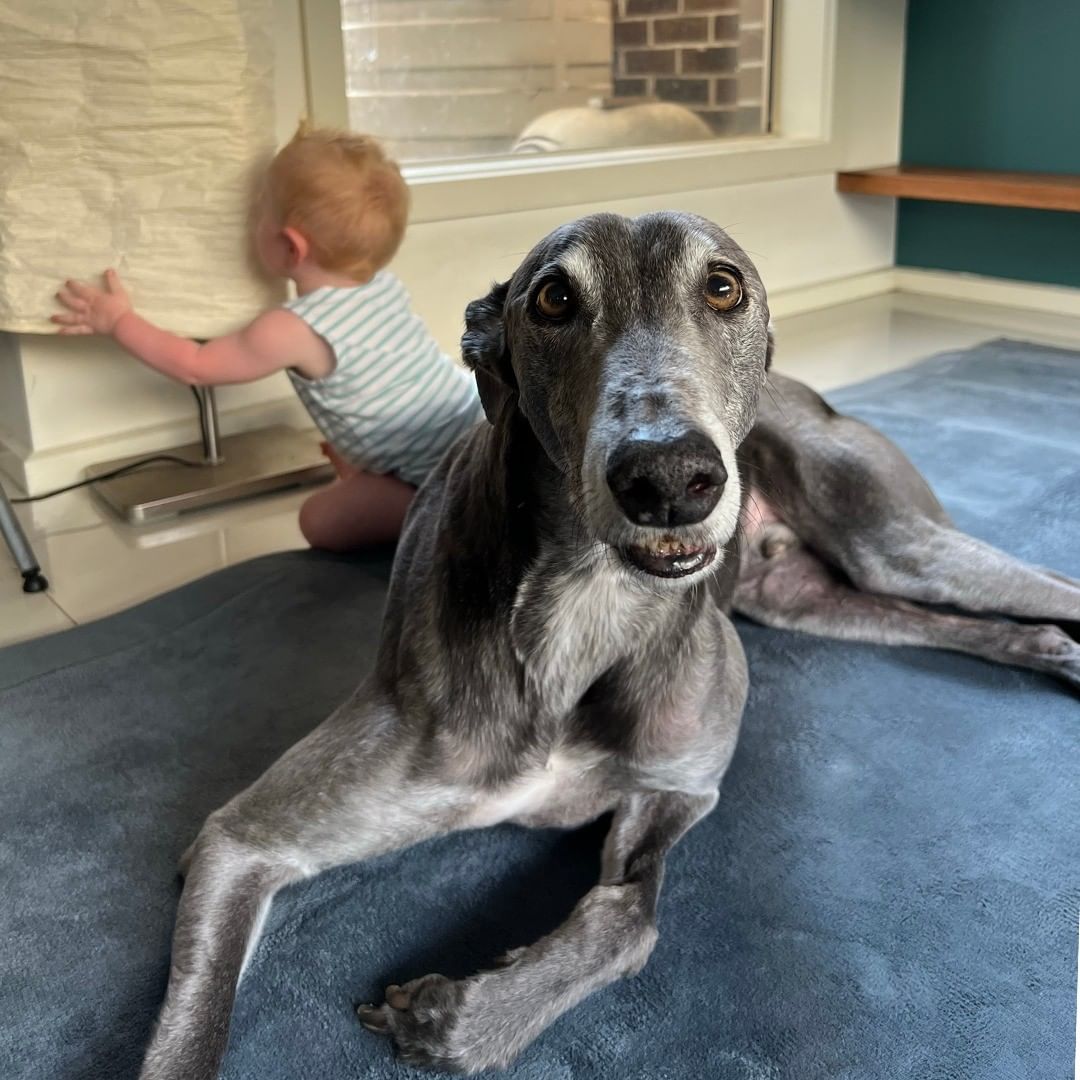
(723, 290)
(554, 301)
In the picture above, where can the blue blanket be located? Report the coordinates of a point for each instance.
(888, 888)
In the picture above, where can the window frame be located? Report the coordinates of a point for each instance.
(804, 137)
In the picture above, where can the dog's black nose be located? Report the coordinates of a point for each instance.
(677, 482)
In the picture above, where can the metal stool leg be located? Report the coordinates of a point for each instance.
(33, 579)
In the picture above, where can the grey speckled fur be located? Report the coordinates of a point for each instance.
(528, 670)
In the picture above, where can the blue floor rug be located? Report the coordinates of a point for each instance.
(889, 887)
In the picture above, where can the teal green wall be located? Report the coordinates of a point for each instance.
(992, 84)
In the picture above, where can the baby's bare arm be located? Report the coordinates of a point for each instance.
(276, 340)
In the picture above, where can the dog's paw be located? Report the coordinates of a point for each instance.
(1047, 647)
(462, 1027)
(422, 1018)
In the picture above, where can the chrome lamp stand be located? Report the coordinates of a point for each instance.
(219, 470)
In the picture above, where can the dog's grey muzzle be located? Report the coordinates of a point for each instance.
(664, 487)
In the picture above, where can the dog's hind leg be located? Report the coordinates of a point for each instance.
(934, 563)
(854, 496)
(787, 586)
(345, 793)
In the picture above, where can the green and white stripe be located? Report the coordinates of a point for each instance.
(395, 401)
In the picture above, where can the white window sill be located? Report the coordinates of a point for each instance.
(459, 189)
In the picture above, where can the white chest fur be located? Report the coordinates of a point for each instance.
(569, 626)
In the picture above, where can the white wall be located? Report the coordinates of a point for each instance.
(799, 232)
(86, 402)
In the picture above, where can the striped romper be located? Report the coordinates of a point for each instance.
(395, 401)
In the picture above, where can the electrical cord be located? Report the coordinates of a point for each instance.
(131, 466)
(200, 405)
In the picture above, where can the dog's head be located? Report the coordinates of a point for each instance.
(635, 349)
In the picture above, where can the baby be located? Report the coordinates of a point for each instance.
(330, 216)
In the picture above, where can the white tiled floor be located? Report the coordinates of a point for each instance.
(97, 565)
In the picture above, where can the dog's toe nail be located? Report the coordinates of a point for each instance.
(371, 1016)
(397, 998)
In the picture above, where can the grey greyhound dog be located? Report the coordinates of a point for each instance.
(556, 643)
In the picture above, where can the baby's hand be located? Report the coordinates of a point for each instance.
(92, 310)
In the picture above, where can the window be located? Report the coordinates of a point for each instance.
(446, 79)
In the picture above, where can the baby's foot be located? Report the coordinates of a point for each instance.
(341, 466)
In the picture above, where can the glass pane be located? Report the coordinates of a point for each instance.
(439, 79)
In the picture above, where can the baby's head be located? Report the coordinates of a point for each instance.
(334, 199)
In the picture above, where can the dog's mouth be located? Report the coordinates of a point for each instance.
(668, 557)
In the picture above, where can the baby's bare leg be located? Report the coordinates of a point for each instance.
(356, 511)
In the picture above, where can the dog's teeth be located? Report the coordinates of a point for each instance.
(667, 546)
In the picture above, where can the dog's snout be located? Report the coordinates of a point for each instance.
(674, 482)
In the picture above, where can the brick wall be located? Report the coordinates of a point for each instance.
(709, 55)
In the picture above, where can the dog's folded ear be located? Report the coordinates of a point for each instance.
(484, 349)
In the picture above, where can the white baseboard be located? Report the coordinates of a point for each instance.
(830, 293)
(12, 471)
(950, 285)
(941, 284)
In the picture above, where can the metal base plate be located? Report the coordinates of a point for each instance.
(253, 463)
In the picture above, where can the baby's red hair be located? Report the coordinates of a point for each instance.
(344, 195)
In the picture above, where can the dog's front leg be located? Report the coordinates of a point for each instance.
(343, 794)
(229, 885)
(486, 1020)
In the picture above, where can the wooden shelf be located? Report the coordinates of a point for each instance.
(1037, 191)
